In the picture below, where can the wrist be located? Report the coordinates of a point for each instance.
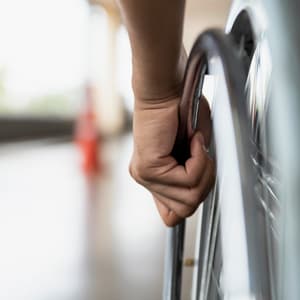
(158, 81)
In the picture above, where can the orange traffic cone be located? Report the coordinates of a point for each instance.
(86, 136)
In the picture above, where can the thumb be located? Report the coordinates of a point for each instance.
(205, 123)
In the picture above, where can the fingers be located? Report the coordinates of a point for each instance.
(180, 209)
(186, 195)
(177, 190)
(168, 216)
(169, 172)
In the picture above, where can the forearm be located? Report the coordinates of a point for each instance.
(155, 32)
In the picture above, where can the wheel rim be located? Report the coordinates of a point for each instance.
(227, 202)
(241, 270)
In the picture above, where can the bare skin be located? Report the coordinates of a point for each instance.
(155, 32)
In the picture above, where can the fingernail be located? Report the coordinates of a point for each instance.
(205, 149)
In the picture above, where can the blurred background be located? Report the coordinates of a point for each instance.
(73, 225)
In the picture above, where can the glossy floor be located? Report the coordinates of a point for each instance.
(64, 236)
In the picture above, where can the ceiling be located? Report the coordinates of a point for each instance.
(200, 14)
(203, 14)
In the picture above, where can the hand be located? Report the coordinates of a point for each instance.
(177, 190)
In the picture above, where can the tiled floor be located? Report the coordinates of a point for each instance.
(66, 237)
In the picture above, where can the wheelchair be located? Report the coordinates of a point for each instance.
(247, 243)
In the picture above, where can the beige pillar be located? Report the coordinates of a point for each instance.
(109, 105)
(110, 108)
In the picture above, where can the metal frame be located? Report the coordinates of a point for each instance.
(284, 39)
(209, 45)
(173, 262)
(215, 42)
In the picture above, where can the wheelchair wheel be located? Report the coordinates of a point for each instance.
(231, 227)
(247, 239)
(232, 257)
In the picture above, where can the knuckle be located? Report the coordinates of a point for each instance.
(136, 172)
(140, 171)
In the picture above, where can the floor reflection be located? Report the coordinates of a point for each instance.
(66, 236)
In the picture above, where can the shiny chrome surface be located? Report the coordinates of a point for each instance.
(256, 12)
(226, 250)
(285, 44)
(258, 88)
(233, 236)
(272, 249)
(174, 262)
(251, 262)
(266, 167)
(266, 186)
(208, 241)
